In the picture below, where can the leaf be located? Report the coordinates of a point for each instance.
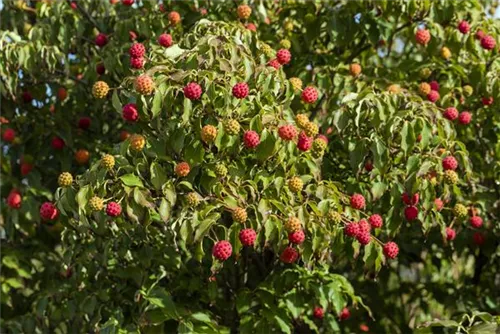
(159, 297)
(194, 153)
(131, 180)
(115, 100)
(165, 210)
(174, 52)
(158, 175)
(407, 137)
(266, 146)
(81, 197)
(201, 317)
(378, 190)
(157, 102)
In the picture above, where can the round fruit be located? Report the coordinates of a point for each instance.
(220, 170)
(293, 224)
(425, 73)
(250, 26)
(438, 203)
(208, 133)
(450, 113)
(283, 56)
(222, 250)
(468, 90)
(124, 135)
(289, 255)
(100, 90)
(137, 142)
(113, 209)
(130, 113)
(182, 169)
(476, 221)
(464, 27)
(128, 2)
(411, 213)
(424, 88)
(84, 123)
(62, 93)
(239, 215)
(100, 69)
(304, 143)
(334, 216)
(274, 63)
(247, 237)
(302, 120)
(311, 129)
(434, 85)
(14, 200)
(244, 12)
(309, 95)
(101, 40)
(296, 237)
(65, 179)
(108, 161)
(144, 84)
(445, 53)
(193, 91)
(165, 40)
(318, 312)
(240, 90)
(460, 211)
(394, 89)
(296, 83)
(479, 238)
(464, 118)
(193, 199)
(82, 156)
(48, 211)
(26, 168)
(251, 139)
(287, 132)
(267, 50)
(137, 50)
(8, 135)
(450, 234)
(357, 201)
(487, 101)
(96, 203)
(285, 44)
(369, 166)
(232, 127)
(376, 221)
(174, 18)
(488, 42)
(423, 36)
(295, 184)
(319, 146)
(391, 250)
(449, 163)
(355, 69)
(433, 96)
(352, 229)
(364, 238)
(344, 314)
(137, 63)
(450, 177)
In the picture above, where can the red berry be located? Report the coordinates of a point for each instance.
(364, 226)
(287, 132)
(322, 137)
(376, 221)
(130, 113)
(391, 250)
(357, 201)
(406, 199)
(84, 123)
(344, 314)
(296, 237)
(488, 42)
(283, 56)
(274, 63)
(127, 2)
(464, 117)
(450, 113)
(247, 237)
(487, 101)
(101, 40)
(26, 168)
(137, 63)
(415, 199)
(352, 229)
(73, 5)
(318, 312)
(450, 233)
(222, 250)
(100, 69)
(240, 90)
(14, 200)
(309, 94)
(476, 221)
(433, 96)
(304, 143)
(449, 163)
(423, 36)
(364, 328)
(439, 204)
(364, 238)
(48, 211)
(132, 35)
(251, 139)
(478, 238)
(165, 40)
(289, 255)
(137, 50)
(368, 166)
(251, 27)
(193, 91)
(434, 85)
(464, 27)
(480, 34)
(57, 143)
(27, 97)
(9, 135)
(113, 209)
(411, 213)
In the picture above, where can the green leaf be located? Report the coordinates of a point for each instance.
(378, 189)
(159, 297)
(165, 210)
(131, 180)
(407, 137)
(115, 100)
(158, 175)
(157, 101)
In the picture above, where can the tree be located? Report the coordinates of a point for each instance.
(220, 167)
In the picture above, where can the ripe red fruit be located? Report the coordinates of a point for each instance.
(132, 35)
(344, 314)
(364, 328)
(364, 238)
(165, 40)
(27, 97)
(357, 201)
(127, 2)
(137, 63)
(352, 229)
(464, 27)
(101, 40)
(411, 213)
(251, 27)
(364, 226)
(487, 101)
(274, 63)
(406, 199)
(14, 200)
(376, 220)
(450, 233)
(174, 18)
(391, 250)
(247, 237)
(296, 237)
(304, 143)
(48, 211)
(100, 69)
(113, 209)
(465, 117)
(130, 113)
(283, 56)
(423, 36)
(222, 250)
(57, 143)
(479, 238)
(476, 221)
(62, 94)
(480, 34)
(124, 135)
(450, 113)
(193, 91)
(73, 5)
(434, 85)
(449, 163)
(9, 135)
(289, 255)
(488, 42)
(251, 139)
(84, 123)
(318, 312)
(287, 132)
(415, 199)
(240, 90)
(433, 96)
(368, 166)
(26, 168)
(439, 204)
(309, 94)
(137, 50)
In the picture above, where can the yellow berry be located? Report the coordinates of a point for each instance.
(65, 179)
(100, 90)
(302, 120)
(137, 142)
(296, 83)
(293, 224)
(96, 203)
(108, 161)
(295, 184)
(208, 133)
(239, 215)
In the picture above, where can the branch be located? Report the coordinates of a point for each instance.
(88, 17)
(360, 49)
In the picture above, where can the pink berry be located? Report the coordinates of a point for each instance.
(113, 209)
(130, 113)
(222, 250)
(193, 91)
(165, 40)
(247, 237)
(309, 95)
(251, 139)
(357, 201)
(391, 250)
(240, 90)
(376, 221)
(283, 56)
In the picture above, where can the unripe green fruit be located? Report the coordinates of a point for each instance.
(311, 129)
(334, 217)
(288, 26)
(96, 203)
(468, 90)
(450, 177)
(295, 184)
(232, 127)
(460, 211)
(65, 179)
(309, 18)
(267, 50)
(108, 161)
(318, 148)
(285, 44)
(193, 199)
(220, 170)
(425, 73)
